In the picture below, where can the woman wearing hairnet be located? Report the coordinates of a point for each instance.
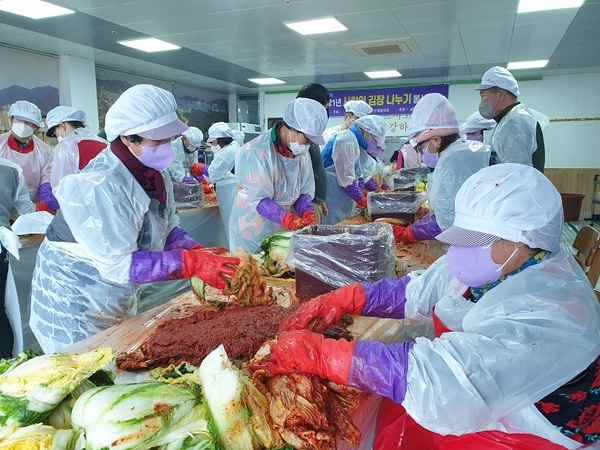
(475, 125)
(76, 147)
(514, 363)
(185, 149)
(371, 166)
(22, 147)
(354, 109)
(221, 170)
(274, 171)
(116, 228)
(342, 162)
(434, 127)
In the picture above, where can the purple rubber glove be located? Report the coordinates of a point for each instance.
(353, 191)
(179, 238)
(147, 267)
(371, 185)
(189, 180)
(385, 298)
(205, 171)
(380, 369)
(199, 178)
(425, 229)
(385, 186)
(361, 183)
(270, 210)
(303, 204)
(46, 195)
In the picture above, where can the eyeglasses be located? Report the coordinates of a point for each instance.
(422, 145)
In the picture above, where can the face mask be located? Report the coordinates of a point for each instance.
(60, 138)
(215, 148)
(430, 159)
(486, 109)
(189, 150)
(22, 130)
(474, 266)
(297, 148)
(159, 157)
(373, 150)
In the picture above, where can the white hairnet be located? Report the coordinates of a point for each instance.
(432, 112)
(62, 114)
(307, 116)
(194, 136)
(476, 122)
(376, 125)
(145, 110)
(499, 77)
(358, 107)
(508, 201)
(239, 136)
(219, 130)
(27, 111)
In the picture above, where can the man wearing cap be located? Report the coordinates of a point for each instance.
(353, 110)
(116, 228)
(185, 149)
(22, 147)
(221, 171)
(514, 362)
(475, 125)
(518, 137)
(76, 147)
(274, 171)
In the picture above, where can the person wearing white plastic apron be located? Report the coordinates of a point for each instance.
(221, 171)
(371, 166)
(341, 159)
(275, 173)
(434, 128)
(14, 200)
(353, 110)
(76, 147)
(514, 361)
(116, 228)
(185, 149)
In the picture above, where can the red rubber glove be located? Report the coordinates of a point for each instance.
(41, 206)
(323, 311)
(304, 351)
(292, 222)
(196, 169)
(362, 203)
(209, 266)
(403, 234)
(309, 218)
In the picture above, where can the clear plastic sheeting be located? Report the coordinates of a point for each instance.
(402, 205)
(408, 179)
(330, 256)
(188, 195)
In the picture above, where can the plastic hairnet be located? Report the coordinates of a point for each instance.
(219, 130)
(358, 107)
(433, 111)
(194, 136)
(62, 114)
(476, 122)
(238, 136)
(27, 111)
(499, 77)
(145, 110)
(376, 125)
(509, 201)
(307, 116)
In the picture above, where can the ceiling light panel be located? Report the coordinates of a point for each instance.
(318, 26)
(34, 9)
(149, 45)
(383, 74)
(527, 64)
(547, 5)
(264, 81)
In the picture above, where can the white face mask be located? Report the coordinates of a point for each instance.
(215, 148)
(22, 130)
(297, 148)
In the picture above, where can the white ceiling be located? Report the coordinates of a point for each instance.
(227, 41)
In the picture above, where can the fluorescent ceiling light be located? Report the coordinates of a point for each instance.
(149, 45)
(546, 5)
(34, 9)
(266, 80)
(383, 74)
(316, 26)
(527, 64)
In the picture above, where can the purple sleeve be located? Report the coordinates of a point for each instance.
(371, 185)
(384, 185)
(205, 171)
(179, 238)
(270, 210)
(353, 191)
(46, 195)
(385, 298)
(425, 229)
(148, 267)
(380, 369)
(361, 183)
(303, 204)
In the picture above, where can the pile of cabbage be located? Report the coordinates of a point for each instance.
(66, 402)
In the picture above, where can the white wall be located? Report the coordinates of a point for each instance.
(568, 144)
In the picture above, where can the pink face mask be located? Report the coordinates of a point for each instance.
(430, 159)
(474, 266)
(159, 157)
